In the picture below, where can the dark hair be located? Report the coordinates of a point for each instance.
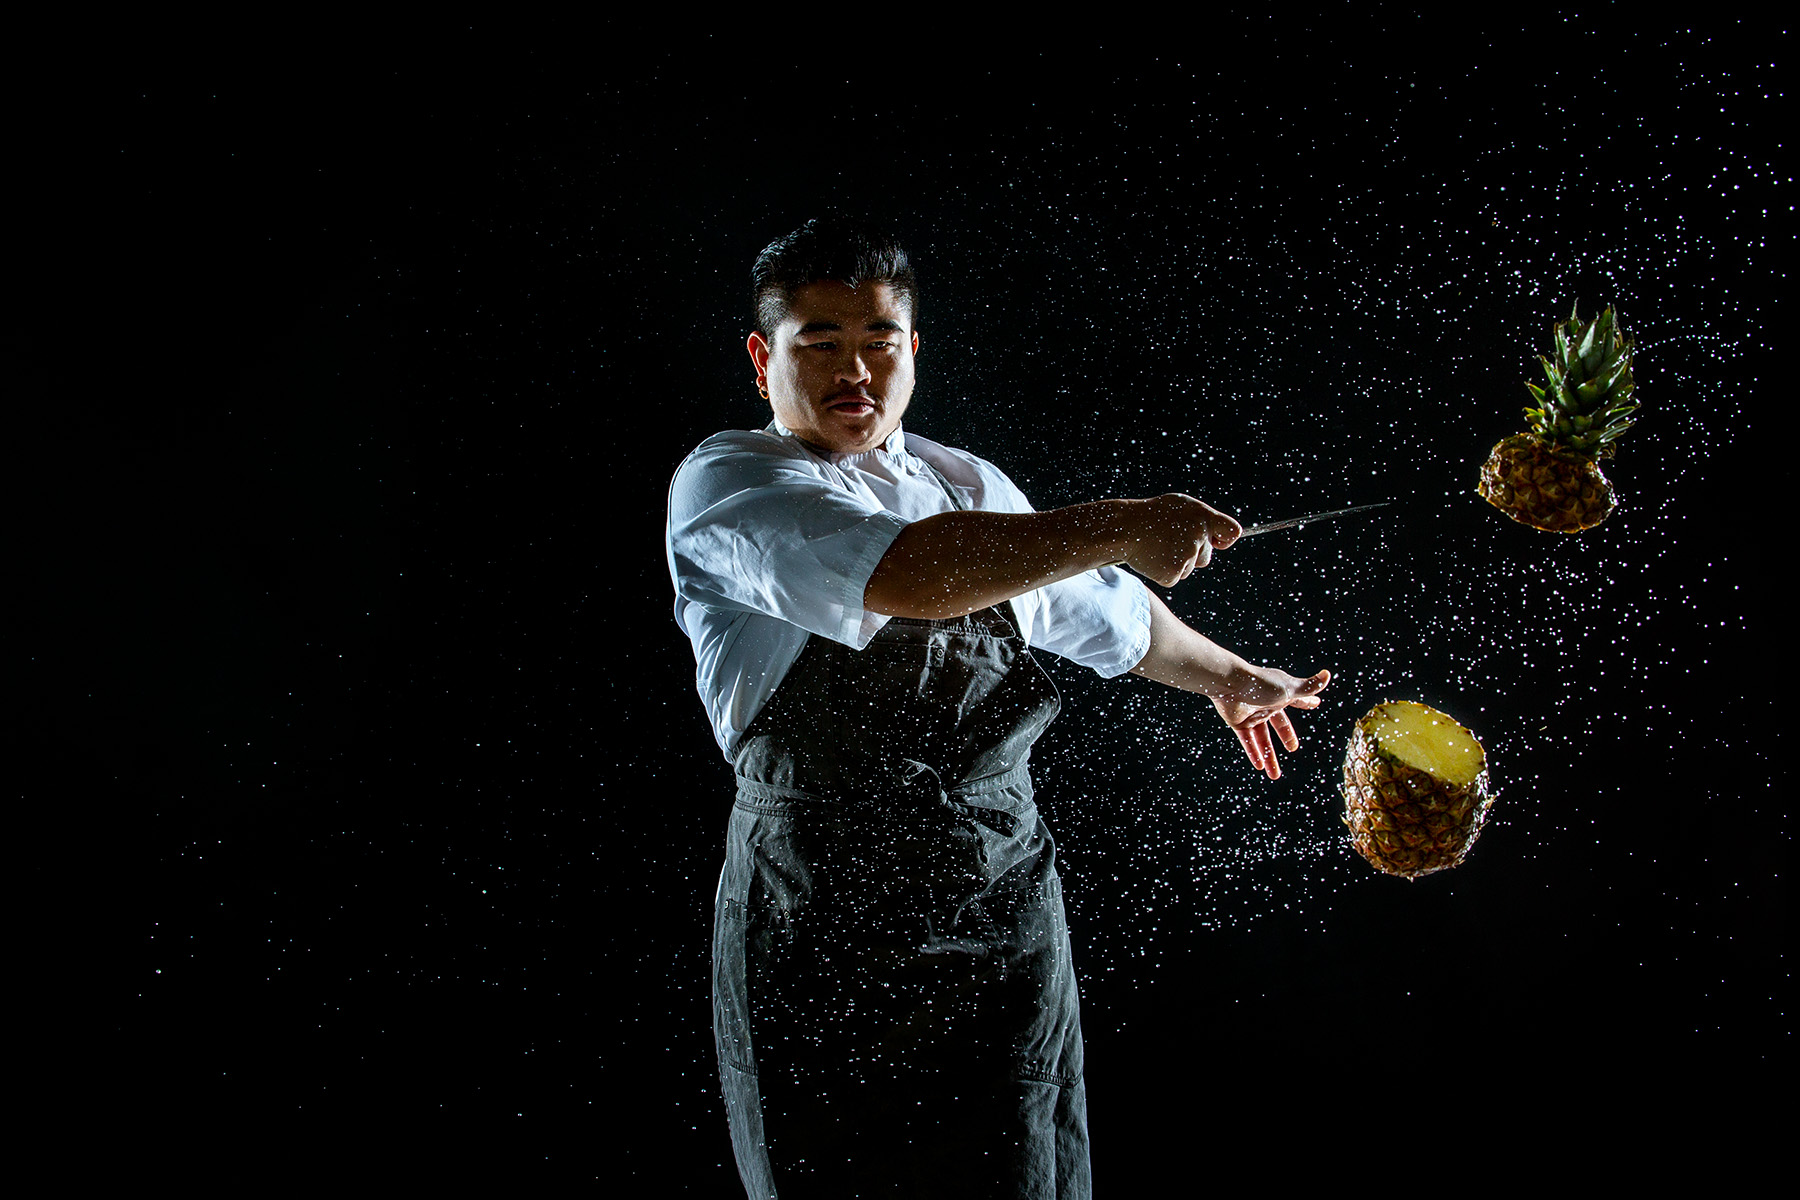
(832, 248)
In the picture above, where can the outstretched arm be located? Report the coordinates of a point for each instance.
(1251, 699)
(956, 562)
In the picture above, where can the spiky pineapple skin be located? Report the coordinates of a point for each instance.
(1402, 820)
(1538, 485)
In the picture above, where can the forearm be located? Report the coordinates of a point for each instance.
(956, 562)
(1252, 700)
(1182, 657)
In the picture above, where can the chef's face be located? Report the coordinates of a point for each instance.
(840, 365)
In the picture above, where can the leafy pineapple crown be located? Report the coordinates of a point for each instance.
(1588, 401)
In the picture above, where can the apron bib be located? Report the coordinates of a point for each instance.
(894, 1003)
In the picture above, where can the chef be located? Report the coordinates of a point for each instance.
(894, 1001)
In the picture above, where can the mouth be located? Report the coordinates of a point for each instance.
(851, 405)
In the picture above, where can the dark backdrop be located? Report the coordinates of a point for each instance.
(373, 821)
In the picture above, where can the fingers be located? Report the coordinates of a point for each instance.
(1223, 531)
(1284, 729)
(1260, 748)
(1261, 751)
(1271, 766)
(1262, 756)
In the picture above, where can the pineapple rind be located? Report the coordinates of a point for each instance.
(1536, 484)
(1403, 820)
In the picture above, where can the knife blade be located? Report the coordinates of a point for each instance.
(1296, 522)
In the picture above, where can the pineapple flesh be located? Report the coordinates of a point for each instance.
(1549, 477)
(1416, 789)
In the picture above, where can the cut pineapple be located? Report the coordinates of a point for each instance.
(1416, 789)
(1549, 477)
(1536, 484)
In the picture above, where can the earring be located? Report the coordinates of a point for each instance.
(762, 386)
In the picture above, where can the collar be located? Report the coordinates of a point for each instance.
(895, 446)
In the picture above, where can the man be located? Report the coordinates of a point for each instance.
(894, 1003)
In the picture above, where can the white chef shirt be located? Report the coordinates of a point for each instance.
(770, 541)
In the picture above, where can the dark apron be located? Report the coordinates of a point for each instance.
(894, 1003)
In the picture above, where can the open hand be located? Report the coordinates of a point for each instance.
(1258, 703)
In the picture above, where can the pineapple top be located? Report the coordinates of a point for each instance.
(1588, 401)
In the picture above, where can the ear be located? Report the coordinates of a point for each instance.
(759, 353)
(915, 343)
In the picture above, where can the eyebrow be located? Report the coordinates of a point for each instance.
(834, 327)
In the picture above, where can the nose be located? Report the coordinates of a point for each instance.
(852, 368)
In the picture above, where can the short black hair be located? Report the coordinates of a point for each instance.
(845, 248)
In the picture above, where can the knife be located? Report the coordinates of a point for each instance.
(1296, 522)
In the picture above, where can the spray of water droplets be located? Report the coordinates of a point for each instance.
(1278, 354)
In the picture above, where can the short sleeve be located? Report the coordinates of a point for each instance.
(754, 527)
(1100, 619)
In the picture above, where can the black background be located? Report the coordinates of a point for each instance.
(372, 821)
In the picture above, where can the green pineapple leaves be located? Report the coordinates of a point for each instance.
(1588, 401)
